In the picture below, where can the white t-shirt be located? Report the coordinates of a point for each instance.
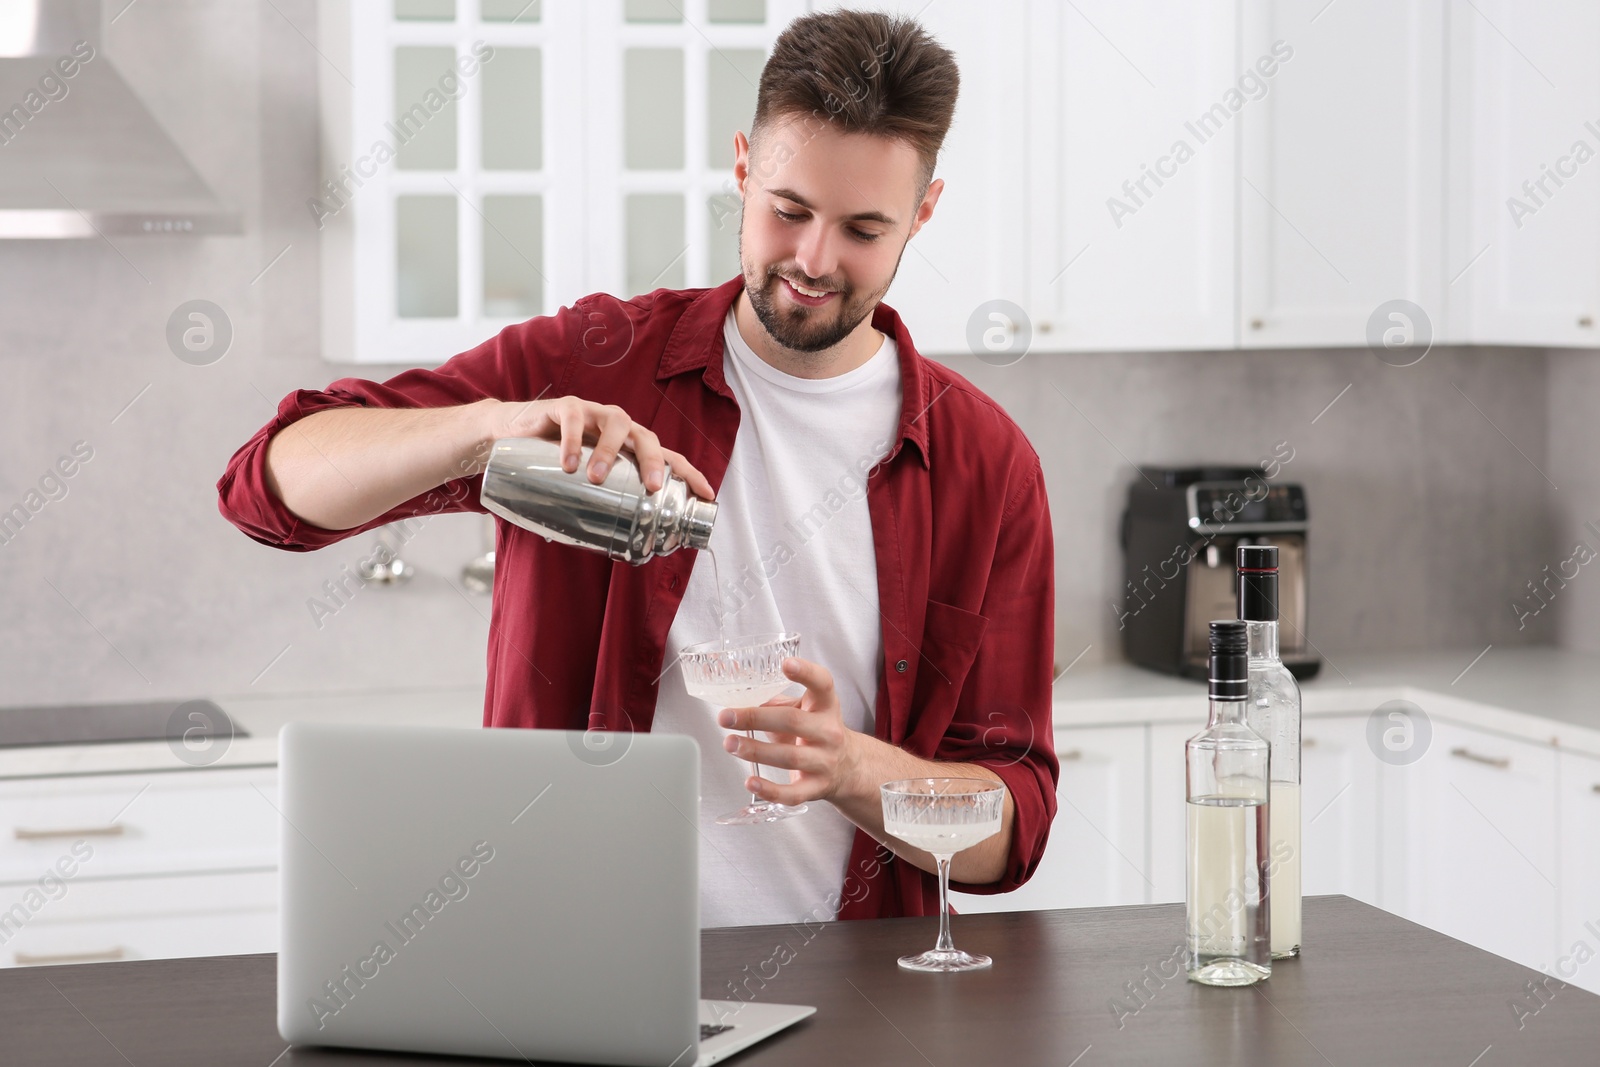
(793, 542)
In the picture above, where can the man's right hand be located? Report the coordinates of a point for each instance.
(576, 422)
(342, 467)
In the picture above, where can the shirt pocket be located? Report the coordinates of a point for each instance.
(951, 640)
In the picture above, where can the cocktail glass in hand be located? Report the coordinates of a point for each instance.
(943, 816)
(743, 672)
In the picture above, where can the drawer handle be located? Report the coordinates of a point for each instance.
(1077, 753)
(1596, 787)
(1493, 761)
(29, 959)
(22, 833)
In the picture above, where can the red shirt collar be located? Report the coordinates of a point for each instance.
(696, 344)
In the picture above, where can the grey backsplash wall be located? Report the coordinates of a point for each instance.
(1574, 444)
(1428, 516)
(1425, 520)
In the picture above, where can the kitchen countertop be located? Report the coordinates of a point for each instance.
(261, 716)
(1089, 985)
(1545, 695)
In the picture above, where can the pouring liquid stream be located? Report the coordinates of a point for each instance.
(716, 578)
(739, 695)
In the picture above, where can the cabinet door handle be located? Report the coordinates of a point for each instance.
(1493, 761)
(1077, 753)
(30, 959)
(23, 833)
(1596, 787)
(1308, 742)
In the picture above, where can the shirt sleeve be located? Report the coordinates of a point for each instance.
(1013, 734)
(522, 362)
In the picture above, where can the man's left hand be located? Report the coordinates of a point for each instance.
(809, 738)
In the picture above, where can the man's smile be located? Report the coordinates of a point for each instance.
(807, 297)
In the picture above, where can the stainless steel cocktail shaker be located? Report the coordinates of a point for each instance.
(525, 485)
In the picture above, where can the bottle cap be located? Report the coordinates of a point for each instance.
(1230, 660)
(1258, 557)
(1258, 583)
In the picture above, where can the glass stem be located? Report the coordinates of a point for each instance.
(754, 798)
(944, 944)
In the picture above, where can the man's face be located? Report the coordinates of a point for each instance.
(825, 213)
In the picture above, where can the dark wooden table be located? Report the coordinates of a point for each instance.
(1069, 988)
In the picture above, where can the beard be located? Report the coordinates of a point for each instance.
(807, 329)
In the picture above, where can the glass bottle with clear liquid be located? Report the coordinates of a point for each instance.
(1229, 932)
(1275, 715)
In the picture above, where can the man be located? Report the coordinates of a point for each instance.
(873, 501)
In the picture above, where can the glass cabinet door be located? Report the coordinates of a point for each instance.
(685, 74)
(449, 161)
(494, 160)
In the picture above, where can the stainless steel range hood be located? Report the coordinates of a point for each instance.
(79, 152)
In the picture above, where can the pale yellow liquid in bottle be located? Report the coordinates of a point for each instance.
(1284, 886)
(1228, 921)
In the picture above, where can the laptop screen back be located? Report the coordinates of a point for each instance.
(517, 893)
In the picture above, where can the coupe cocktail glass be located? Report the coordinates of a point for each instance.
(942, 816)
(743, 672)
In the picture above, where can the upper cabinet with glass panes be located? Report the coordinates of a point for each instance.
(488, 161)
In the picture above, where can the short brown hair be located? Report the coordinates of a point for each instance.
(864, 72)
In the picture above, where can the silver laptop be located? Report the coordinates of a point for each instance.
(530, 894)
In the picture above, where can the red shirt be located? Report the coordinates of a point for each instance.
(960, 528)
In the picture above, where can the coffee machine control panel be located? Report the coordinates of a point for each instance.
(1241, 506)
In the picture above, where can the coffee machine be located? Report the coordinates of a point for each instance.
(1179, 537)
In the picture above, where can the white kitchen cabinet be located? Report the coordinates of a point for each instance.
(1130, 186)
(94, 921)
(1134, 175)
(138, 866)
(140, 824)
(1523, 246)
(484, 164)
(1096, 853)
(665, 86)
(1480, 826)
(1169, 840)
(1338, 808)
(975, 247)
(1340, 172)
(1577, 954)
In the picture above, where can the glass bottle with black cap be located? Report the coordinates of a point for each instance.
(1229, 934)
(1275, 715)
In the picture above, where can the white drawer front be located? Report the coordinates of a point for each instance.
(141, 919)
(107, 826)
(1096, 853)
